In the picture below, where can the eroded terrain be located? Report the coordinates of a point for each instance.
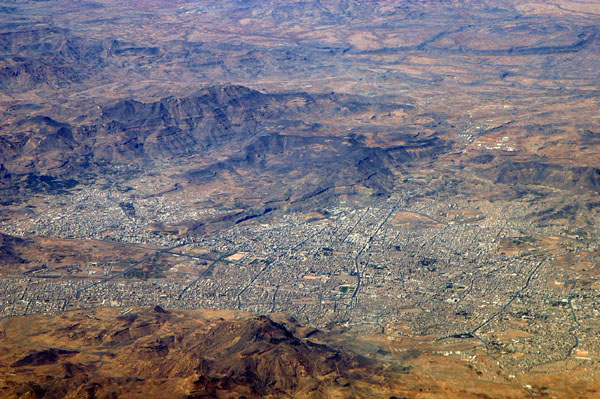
(423, 171)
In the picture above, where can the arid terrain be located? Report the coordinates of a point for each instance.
(145, 352)
(418, 180)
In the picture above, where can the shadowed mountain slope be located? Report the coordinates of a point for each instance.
(220, 130)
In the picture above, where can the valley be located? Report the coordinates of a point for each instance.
(422, 175)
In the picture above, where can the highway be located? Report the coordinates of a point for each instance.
(206, 272)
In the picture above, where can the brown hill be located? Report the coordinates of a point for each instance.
(164, 354)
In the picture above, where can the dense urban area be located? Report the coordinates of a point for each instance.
(441, 269)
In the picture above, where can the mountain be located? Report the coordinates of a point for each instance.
(230, 130)
(157, 353)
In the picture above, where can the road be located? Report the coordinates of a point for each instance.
(367, 244)
(206, 272)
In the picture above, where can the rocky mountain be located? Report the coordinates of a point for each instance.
(156, 353)
(275, 135)
(48, 57)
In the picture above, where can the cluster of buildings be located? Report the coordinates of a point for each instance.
(406, 261)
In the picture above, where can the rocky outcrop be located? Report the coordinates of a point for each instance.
(193, 357)
(547, 174)
(45, 357)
